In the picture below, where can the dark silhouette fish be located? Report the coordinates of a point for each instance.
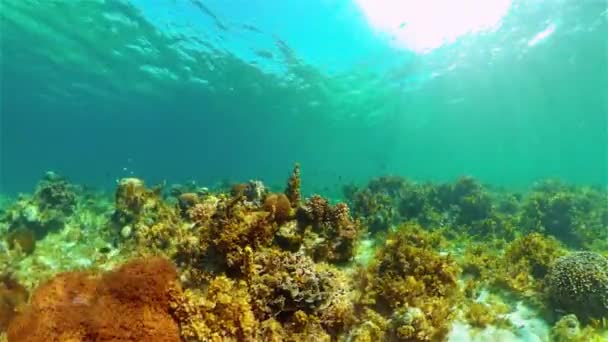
(251, 28)
(208, 12)
(264, 54)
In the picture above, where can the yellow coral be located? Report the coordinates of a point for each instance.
(526, 262)
(222, 313)
(413, 280)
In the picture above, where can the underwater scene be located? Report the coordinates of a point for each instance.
(304, 170)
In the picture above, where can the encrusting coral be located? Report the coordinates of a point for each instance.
(131, 303)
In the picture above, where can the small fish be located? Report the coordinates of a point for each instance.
(251, 28)
(264, 54)
(208, 12)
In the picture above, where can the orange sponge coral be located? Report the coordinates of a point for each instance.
(129, 304)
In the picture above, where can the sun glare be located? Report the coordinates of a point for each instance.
(424, 25)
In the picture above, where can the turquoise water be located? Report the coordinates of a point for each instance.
(214, 90)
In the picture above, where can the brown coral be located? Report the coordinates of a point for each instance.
(24, 238)
(279, 206)
(185, 202)
(333, 234)
(130, 198)
(293, 187)
(283, 283)
(13, 297)
(222, 313)
(237, 226)
(129, 304)
(526, 261)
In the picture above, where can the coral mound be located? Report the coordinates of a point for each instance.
(578, 283)
(129, 304)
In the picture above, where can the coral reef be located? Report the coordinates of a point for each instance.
(331, 234)
(526, 262)
(28, 219)
(253, 264)
(293, 187)
(222, 313)
(482, 315)
(465, 206)
(578, 284)
(22, 238)
(283, 283)
(575, 216)
(13, 296)
(129, 304)
(568, 329)
(279, 206)
(415, 282)
(237, 225)
(186, 201)
(377, 203)
(130, 198)
(284, 296)
(479, 261)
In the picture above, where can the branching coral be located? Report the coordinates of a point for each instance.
(131, 303)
